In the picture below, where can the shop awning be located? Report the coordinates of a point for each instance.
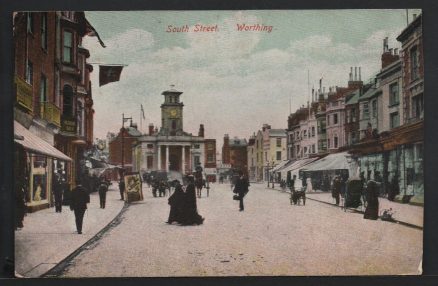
(297, 165)
(337, 161)
(279, 165)
(35, 144)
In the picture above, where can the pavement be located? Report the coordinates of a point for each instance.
(404, 213)
(48, 237)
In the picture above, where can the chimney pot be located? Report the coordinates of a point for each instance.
(355, 73)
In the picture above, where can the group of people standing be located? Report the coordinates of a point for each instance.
(183, 206)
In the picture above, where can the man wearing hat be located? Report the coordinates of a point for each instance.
(80, 199)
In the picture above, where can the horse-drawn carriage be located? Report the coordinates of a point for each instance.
(298, 196)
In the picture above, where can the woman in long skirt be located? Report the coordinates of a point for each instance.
(372, 197)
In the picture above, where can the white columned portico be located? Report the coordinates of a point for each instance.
(167, 158)
(183, 148)
(159, 158)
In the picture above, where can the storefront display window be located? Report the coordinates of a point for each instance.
(39, 179)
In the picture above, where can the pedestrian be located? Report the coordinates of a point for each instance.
(122, 189)
(190, 214)
(80, 199)
(326, 183)
(336, 188)
(103, 188)
(176, 201)
(20, 203)
(241, 188)
(394, 188)
(309, 186)
(58, 189)
(372, 198)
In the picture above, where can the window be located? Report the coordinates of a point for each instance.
(313, 131)
(278, 155)
(353, 115)
(374, 105)
(366, 111)
(313, 149)
(328, 143)
(335, 118)
(44, 31)
(173, 124)
(348, 117)
(196, 146)
(67, 108)
(81, 64)
(417, 106)
(278, 142)
(305, 134)
(305, 150)
(418, 152)
(335, 103)
(29, 72)
(322, 145)
(393, 94)
(328, 119)
(210, 146)
(266, 156)
(197, 160)
(43, 89)
(414, 63)
(29, 22)
(336, 142)
(394, 120)
(150, 146)
(67, 55)
(80, 118)
(353, 137)
(210, 158)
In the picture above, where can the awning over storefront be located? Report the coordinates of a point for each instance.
(337, 161)
(35, 144)
(280, 165)
(296, 165)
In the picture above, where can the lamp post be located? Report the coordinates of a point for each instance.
(123, 140)
(273, 177)
(267, 172)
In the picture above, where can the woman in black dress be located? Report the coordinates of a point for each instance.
(176, 201)
(190, 212)
(372, 197)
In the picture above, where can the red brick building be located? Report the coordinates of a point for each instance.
(53, 109)
(234, 152)
(130, 136)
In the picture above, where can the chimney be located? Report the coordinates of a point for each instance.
(323, 89)
(351, 73)
(151, 129)
(156, 130)
(395, 51)
(355, 73)
(201, 130)
(389, 57)
(385, 45)
(390, 50)
(226, 139)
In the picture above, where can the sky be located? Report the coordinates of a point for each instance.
(232, 81)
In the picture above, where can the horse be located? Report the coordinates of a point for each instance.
(199, 184)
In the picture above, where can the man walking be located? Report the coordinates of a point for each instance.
(241, 188)
(122, 188)
(79, 201)
(58, 192)
(103, 188)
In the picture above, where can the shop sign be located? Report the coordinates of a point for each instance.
(68, 125)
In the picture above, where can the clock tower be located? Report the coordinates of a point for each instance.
(172, 112)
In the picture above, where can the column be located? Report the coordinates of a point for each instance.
(183, 159)
(159, 158)
(167, 158)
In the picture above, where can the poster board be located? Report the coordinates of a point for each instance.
(133, 187)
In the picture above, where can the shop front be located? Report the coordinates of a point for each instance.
(35, 165)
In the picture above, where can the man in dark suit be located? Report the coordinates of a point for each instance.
(80, 199)
(103, 188)
(58, 192)
(241, 188)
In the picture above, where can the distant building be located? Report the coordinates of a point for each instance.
(234, 153)
(171, 148)
(118, 157)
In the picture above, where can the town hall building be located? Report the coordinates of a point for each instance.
(171, 148)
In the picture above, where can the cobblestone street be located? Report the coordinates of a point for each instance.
(271, 237)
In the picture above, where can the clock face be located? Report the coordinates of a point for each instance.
(173, 112)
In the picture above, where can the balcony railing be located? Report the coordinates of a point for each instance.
(51, 113)
(23, 94)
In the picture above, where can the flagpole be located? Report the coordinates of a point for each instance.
(141, 129)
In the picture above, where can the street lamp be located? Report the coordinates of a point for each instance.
(123, 140)
(267, 172)
(273, 176)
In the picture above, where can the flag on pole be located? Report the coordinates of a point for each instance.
(142, 111)
(109, 73)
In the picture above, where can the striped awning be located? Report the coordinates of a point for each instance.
(34, 144)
